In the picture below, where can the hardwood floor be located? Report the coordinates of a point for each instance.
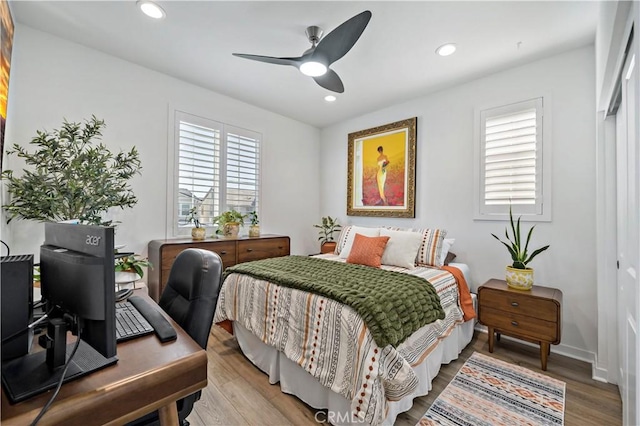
(238, 393)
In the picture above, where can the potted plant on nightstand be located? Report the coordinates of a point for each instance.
(254, 229)
(328, 226)
(197, 232)
(518, 275)
(229, 223)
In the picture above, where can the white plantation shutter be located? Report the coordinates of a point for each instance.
(511, 158)
(243, 170)
(217, 169)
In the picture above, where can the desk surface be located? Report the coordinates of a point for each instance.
(148, 376)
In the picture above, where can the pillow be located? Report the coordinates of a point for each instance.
(402, 248)
(446, 246)
(345, 241)
(450, 256)
(429, 252)
(367, 250)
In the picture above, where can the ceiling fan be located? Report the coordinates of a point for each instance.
(324, 51)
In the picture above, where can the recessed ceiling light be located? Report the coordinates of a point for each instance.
(313, 69)
(330, 98)
(446, 49)
(151, 9)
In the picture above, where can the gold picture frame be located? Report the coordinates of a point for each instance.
(381, 170)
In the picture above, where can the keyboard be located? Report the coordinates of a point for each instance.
(130, 323)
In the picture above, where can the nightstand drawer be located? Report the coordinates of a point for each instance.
(249, 250)
(522, 304)
(534, 328)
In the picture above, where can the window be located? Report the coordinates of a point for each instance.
(511, 164)
(218, 169)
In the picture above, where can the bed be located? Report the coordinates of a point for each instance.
(322, 352)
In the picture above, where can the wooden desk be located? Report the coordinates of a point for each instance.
(149, 376)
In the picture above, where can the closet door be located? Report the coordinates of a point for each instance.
(628, 235)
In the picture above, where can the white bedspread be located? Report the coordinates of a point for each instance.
(330, 341)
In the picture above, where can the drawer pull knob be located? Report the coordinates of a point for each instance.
(280, 247)
(514, 323)
(514, 304)
(223, 252)
(249, 249)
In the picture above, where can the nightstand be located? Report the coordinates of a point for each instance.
(532, 315)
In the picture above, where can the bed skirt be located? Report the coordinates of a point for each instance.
(295, 381)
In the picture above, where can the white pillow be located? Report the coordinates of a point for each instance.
(446, 245)
(402, 248)
(367, 232)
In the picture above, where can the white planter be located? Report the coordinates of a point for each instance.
(126, 277)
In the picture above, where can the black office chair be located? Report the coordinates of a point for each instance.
(190, 298)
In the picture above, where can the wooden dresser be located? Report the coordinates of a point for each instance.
(532, 315)
(232, 251)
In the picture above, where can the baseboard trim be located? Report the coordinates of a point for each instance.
(597, 373)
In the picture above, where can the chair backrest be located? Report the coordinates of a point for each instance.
(192, 290)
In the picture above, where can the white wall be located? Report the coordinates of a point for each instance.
(444, 188)
(52, 79)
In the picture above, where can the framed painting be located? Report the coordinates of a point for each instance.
(6, 43)
(381, 171)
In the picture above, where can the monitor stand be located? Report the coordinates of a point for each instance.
(30, 375)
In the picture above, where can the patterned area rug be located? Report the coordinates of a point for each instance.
(487, 391)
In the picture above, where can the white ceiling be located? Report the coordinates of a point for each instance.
(393, 61)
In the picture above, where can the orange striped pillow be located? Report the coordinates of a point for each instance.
(367, 250)
(431, 246)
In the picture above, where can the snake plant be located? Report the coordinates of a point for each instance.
(519, 254)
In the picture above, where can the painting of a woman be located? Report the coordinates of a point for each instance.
(381, 175)
(381, 170)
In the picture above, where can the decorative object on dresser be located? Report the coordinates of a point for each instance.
(327, 228)
(243, 249)
(229, 223)
(198, 232)
(518, 275)
(534, 316)
(254, 229)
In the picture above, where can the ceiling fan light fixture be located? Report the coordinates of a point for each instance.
(151, 9)
(446, 49)
(313, 69)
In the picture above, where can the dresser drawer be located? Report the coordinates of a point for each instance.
(249, 250)
(522, 304)
(225, 249)
(520, 325)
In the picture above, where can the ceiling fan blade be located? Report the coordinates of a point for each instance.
(270, 59)
(338, 42)
(330, 81)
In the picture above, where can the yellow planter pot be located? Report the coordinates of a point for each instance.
(520, 279)
(198, 233)
(230, 230)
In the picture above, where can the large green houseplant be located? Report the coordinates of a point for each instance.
(70, 177)
(518, 275)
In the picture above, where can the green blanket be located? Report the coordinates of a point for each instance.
(393, 305)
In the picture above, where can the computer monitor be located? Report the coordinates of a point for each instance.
(77, 276)
(78, 281)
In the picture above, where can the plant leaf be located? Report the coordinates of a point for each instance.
(535, 253)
